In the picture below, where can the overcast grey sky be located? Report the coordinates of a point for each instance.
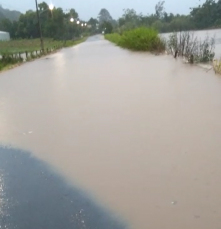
(91, 8)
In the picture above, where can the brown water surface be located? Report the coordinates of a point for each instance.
(139, 132)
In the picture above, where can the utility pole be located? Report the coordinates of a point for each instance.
(39, 26)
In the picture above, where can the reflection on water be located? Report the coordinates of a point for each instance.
(2, 199)
(32, 196)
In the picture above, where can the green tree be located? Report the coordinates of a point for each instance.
(93, 25)
(103, 16)
(158, 25)
(27, 25)
(206, 15)
(55, 24)
(129, 20)
(107, 27)
(159, 8)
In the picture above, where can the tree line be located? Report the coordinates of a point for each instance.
(56, 24)
(12, 15)
(205, 16)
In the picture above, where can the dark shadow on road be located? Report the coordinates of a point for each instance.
(32, 196)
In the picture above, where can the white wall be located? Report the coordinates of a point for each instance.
(4, 36)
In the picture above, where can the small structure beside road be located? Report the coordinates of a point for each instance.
(4, 36)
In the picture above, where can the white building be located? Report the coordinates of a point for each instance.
(4, 36)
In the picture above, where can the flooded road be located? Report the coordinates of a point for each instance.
(141, 133)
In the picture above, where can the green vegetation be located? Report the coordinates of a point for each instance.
(17, 51)
(217, 66)
(26, 45)
(140, 39)
(7, 61)
(55, 24)
(59, 29)
(185, 44)
(132, 30)
(206, 15)
(113, 37)
(30, 45)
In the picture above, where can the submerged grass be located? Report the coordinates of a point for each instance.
(113, 37)
(140, 39)
(185, 44)
(217, 66)
(23, 45)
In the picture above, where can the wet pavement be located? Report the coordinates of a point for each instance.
(32, 195)
(137, 132)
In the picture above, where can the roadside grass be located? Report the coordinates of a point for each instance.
(11, 50)
(70, 43)
(30, 45)
(113, 37)
(217, 66)
(139, 39)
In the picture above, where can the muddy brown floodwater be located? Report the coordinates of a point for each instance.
(141, 133)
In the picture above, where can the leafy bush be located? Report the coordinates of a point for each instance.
(113, 37)
(140, 39)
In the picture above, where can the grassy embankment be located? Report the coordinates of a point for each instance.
(183, 44)
(140, 39)
(11, 51)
